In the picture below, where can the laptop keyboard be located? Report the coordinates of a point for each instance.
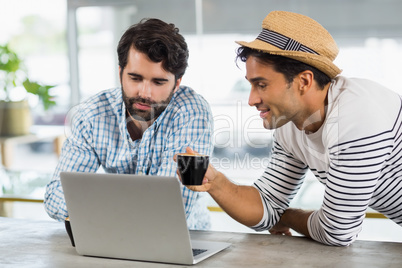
(197, 251)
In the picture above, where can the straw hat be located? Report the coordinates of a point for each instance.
(298, 37)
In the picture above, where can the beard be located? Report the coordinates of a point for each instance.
(156, 110)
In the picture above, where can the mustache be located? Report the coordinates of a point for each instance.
(141, 100)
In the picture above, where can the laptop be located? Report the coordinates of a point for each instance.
(135, 217)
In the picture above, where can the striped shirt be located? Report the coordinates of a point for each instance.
(99, 138)
(356, 154)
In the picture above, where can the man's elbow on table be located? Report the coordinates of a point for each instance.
(54, 209)
(332, 233)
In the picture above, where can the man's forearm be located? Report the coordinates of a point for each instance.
(242, 203)
(296, 219)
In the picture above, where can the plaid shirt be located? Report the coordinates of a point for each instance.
(99, 137)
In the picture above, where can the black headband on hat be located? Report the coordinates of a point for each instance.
(283, 42)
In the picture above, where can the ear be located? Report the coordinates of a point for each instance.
(178, 82)
(305, 81)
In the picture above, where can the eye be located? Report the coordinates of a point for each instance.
(260, 85)
(159, 83)
(135, 78)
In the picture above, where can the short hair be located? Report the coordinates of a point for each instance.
(160, 41)
(287, 66)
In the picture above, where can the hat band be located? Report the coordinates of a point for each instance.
(283, 42)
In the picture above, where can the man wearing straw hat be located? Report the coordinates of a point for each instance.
(346, 131)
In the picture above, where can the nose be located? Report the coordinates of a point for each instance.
(145, 90)
(253, 99)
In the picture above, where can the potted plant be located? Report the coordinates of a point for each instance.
(15, 116)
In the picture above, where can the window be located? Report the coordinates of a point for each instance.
(37, 34)
(369, 48)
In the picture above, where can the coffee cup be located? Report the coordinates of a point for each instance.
(192, 168)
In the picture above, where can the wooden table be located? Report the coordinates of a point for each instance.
(26, 243)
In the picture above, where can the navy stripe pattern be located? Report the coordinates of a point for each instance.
(362, 173)
(278, 185)
(283, 42)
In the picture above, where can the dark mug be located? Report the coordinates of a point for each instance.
(192, 168)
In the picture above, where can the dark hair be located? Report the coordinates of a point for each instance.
(287, 66)
(160, 41)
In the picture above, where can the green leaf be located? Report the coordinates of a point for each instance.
(31, 87)
(10, 64)
(42, 91)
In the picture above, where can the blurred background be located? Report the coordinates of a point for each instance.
(72, 44)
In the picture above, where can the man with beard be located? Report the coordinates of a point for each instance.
(138, 128)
